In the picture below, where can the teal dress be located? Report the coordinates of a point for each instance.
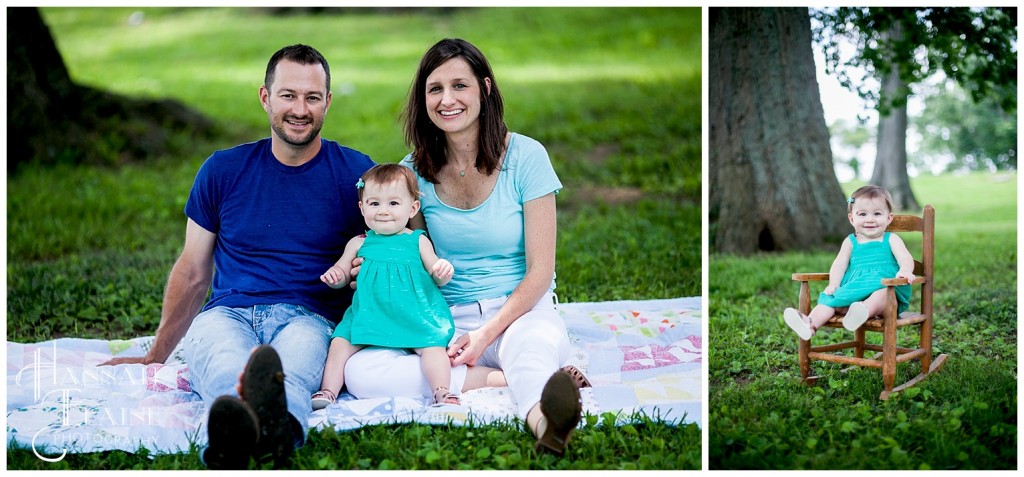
(396, 303)
(869, 264)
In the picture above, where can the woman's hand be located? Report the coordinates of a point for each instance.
(467, 349)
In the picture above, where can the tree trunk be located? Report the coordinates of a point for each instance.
(38, 87)
(890, 169)
(772, 182)
(50, 119)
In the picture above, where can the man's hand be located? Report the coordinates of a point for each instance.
(356, 262)
(147, 360)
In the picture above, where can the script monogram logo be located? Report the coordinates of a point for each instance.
(63, 400)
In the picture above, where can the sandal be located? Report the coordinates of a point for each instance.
(856, 315)
(797, 323)
(560, 404)
(323, 398)
(442, 396)
(577, 376)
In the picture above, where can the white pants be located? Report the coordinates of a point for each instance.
(529, 352)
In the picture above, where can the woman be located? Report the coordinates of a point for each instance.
(488, 201)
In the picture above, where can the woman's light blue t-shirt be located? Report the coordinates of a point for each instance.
(486, 244)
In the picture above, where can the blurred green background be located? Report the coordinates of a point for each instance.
(613, 93)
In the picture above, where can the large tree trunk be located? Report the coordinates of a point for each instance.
(50, 119)
(890, 169)
(39, 91)
(772, 182)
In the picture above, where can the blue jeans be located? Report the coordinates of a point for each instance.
(220, 340)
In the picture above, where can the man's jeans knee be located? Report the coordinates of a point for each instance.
(220, 340)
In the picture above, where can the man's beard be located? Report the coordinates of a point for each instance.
(301, 142)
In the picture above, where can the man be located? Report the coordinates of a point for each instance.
(270, 217)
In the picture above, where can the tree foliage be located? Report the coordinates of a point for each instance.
(976, 47)
(977, 136)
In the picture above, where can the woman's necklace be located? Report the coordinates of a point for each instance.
(462, 169)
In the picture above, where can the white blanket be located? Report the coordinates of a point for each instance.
(641, 356)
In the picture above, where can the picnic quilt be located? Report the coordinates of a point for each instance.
(641, 357)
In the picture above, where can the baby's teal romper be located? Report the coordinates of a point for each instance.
(869, 264)
(396, 303)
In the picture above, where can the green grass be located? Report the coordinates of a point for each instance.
(963, 417)
(89, 248)
(639, 444)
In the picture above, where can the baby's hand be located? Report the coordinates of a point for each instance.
(829, 290)
(333, 277)
(442, 270)
(909, 276)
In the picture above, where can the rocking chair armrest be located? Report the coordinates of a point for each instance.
(809, 277)
(893, 282)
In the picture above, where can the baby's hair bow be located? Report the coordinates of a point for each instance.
(360, 184)
(850, 200)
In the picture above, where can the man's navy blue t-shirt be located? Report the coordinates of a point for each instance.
(278, 227)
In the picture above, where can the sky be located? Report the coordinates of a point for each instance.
(841, 103)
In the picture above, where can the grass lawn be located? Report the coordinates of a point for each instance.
(613, 93)
(963, 417)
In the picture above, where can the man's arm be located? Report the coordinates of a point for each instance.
(184, 295)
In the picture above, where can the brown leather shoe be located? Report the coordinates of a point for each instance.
(263, 390)
(233, 433)
(560, 404)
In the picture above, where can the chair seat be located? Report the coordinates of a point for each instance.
(906, 318)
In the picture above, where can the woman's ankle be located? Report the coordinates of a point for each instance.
(535, 421)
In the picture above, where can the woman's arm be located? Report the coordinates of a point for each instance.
(540, 228)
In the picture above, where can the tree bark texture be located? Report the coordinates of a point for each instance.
(51, 119)
(38, 85)
(772, 183)
(890, 170)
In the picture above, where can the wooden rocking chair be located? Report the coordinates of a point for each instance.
(888, 353)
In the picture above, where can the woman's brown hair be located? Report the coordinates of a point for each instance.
(430, 148)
